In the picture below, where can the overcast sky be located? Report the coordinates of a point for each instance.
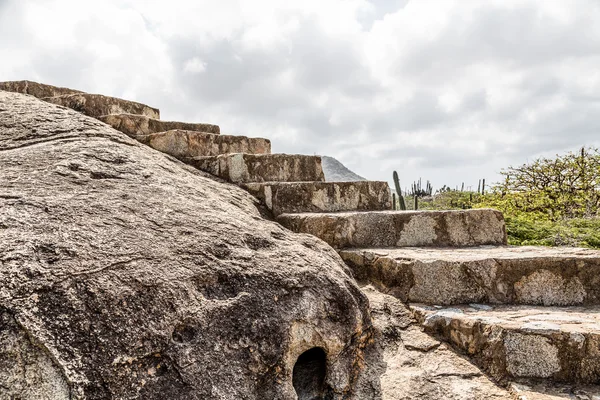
(449, 91)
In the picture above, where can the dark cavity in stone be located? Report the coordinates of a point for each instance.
(309, 375)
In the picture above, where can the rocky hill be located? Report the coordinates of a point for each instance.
(335, 171)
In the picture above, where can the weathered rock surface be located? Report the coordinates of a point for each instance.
(35, 89)
(509, 275)
(538, 391)
(299, 197)
(401, 228)
(136, 125)
(512, 342)
(125, 274)
(417, 366)
(245, 168)
(97, 105)
(186, 144)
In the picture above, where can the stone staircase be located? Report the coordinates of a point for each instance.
(525, 314)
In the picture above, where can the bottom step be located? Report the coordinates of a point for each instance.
(528, 391)
(500, 275)
(515, 342)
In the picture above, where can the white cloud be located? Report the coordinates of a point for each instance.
(194, 66)
(449, 90)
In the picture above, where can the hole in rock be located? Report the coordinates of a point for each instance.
(309, 375)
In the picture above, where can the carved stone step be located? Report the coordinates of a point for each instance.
(378, 229)
(136, 125)
(561, 344)
(35, 89)
(186, 144)
(245, 168)
(97, 105)
(298, 197)
(506, 275)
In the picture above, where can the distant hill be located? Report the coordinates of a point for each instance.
(335, 171)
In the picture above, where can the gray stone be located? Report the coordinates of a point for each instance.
(35, 89)
(549, 391)
(97, 105)
(298, 197)
(126, 274)
(564, 347)
(187, 144)
(500, 275)
(401, 228)
(414, 365)
(137, 125)
(246, 168)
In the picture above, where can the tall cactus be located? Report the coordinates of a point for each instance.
(399, 192)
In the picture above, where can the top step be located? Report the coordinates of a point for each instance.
(35, 89)
(97, 105)
(139, 125)
(93, 105)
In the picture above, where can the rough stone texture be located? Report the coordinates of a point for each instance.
(537, 391)
(298, 197)
(246, 168)
(138, 125)
(509, 275)
(562, 344)
(97, 105)
(416, 366)
(127, 274)
(186, 144)
(402, 228)
(35, 89)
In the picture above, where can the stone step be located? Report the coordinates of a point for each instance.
(186, 144)
(315, 197)
(561, 344)
(97, 105)
(246, 168)
(551, 391)
(500, 275)
(135, 125)
(376, 229)
(35, 89)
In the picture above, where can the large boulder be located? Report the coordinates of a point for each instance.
(127, 274)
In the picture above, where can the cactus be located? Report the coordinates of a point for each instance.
(394, 201)
(483, 186)
(401, 202)
(416, 203)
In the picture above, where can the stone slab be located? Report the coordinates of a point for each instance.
(245, 168)
(500, 275)
(537, 391)
(135, 125)
(97, 105)
(186, 144)
(35, 89)
(414, 365)
(314, 197)
(559, 344)
(402, 228)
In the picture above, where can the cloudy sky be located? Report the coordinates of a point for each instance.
(445, 90)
